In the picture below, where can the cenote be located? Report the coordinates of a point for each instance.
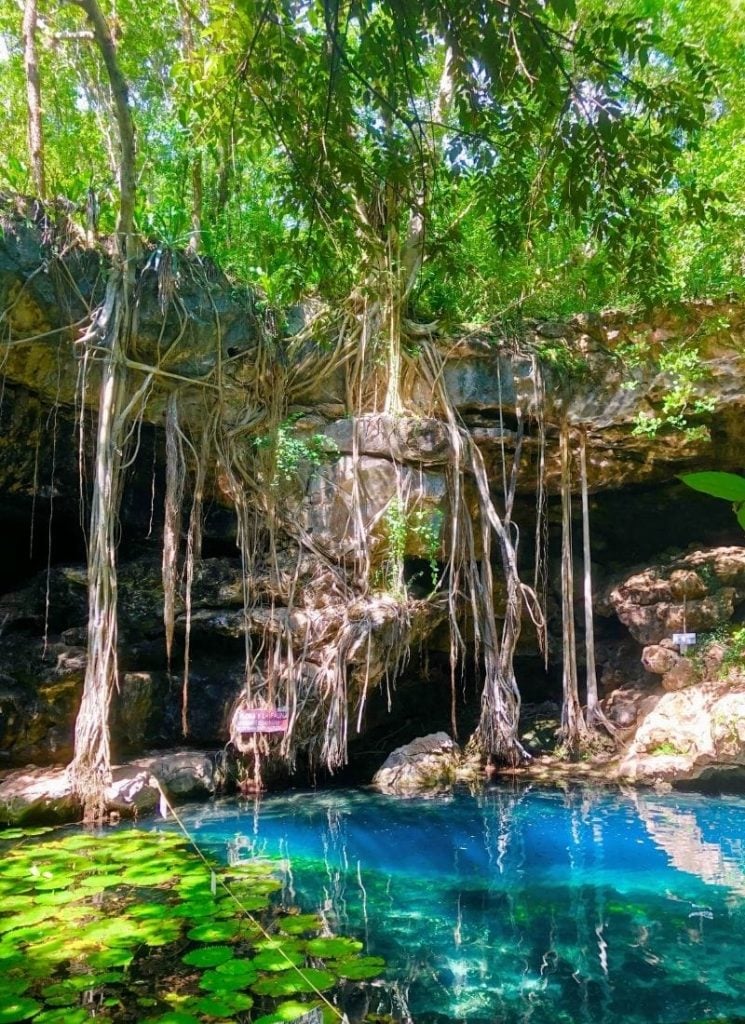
(518, 905)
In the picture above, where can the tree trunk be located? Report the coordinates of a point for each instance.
(91, 766)
(33, 96)
(573, 728)
(592, 680)
(596, 720)
(195, 235)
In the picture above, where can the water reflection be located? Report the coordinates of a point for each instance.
(527, 906)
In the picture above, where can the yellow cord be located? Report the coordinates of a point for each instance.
(165, 801)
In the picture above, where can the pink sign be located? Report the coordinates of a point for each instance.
(261, 720)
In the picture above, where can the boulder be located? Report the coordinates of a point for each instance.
(688, 734)
(427, 763)
(693, 593)
(676, 670)
(45, 795)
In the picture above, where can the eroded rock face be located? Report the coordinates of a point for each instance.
(688, 732)
(694, 593)
(424, 765)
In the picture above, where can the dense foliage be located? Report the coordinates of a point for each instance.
(558, 156)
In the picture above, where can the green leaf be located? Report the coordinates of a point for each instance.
(307, 979)
(215, 931)
(357, 968)
(334, 947)
(14, 1008)
(729, 486)
(741, 515)
(225, 1004)
(208, 956)
(287, 1011)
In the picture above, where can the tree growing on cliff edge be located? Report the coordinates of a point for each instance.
(374, 129)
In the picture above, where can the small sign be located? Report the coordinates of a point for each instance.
(684, 638)
(261, 720)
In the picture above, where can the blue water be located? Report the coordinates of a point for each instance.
(538, 907)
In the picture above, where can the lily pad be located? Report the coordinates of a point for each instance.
(223, 1005)
(299, 924)
(287, 1011)
(357, 968)
(176, 1017)
(238, 969)
(63, 1015)
(310, 979)
(279, 959)
(214, 981)
(208, 956)
(281, 942)
(15, 986)
(96, 883)
(143, 878)
(196, 910)
(111, 958)
(15, 1008)
(214, 931)
(334, 947)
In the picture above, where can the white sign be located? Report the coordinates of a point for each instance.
(261, 720)
(684, 638)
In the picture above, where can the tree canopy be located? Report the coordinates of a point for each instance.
(555, 154)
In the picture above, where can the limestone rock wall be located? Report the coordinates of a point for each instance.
(599, 372)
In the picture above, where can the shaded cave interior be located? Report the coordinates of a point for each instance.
(40, 505)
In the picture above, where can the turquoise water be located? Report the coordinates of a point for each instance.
(538, 907)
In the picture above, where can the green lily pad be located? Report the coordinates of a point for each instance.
(214, 931)
(63, 1015)
(176, 1017)
(299, 924)
(120, 931)
(21, 833)
(208, 956)
(223, 1005)
(250, 904)
(17, 902)
(56, 897)
(96, 883)
(143, 878)
(334, 947)
(285, 942)
(15, 986)
(27, 917)
(214, 981)
(357, 968)
(310, 979)
(15, 1008)
(287, 1011)
(238, 969)
(110, 958)
(196, 910)
(280, 959)
(151, 911)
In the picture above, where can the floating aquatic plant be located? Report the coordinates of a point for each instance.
(80, 916)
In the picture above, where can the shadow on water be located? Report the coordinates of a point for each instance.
(522, 906)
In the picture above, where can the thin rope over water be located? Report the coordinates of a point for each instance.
(215, 880)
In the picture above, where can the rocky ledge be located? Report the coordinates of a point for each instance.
(45, 795)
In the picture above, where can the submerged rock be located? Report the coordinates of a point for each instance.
(427, 763)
